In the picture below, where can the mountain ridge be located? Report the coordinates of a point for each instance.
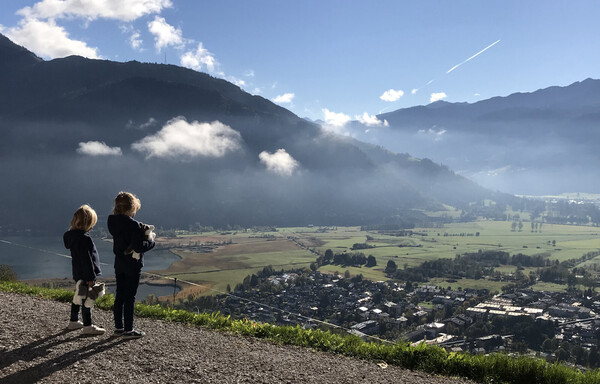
(530, 143)
(279, 169)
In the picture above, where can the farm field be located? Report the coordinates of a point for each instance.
(238, 254)
(233, 257)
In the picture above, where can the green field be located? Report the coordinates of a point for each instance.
(249, 252)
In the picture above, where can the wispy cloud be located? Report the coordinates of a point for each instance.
(165, 34)
(199, 59)
(391, 95)
(180, 139)
(135, 41)
(432, 133)
(414, 91)
(371, 120)
(474, 56)
(286, 98)
(436, 96)
(280, 162)
(97, 148)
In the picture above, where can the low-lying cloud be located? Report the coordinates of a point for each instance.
(280, 162)
(437, 96)
(178, 138)
(97, 148)
(433, 133)
(334, 118)
(371, 120)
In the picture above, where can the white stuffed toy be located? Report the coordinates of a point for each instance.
(85, 295)
(148, 234)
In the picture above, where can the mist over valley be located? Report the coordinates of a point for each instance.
(196, 149)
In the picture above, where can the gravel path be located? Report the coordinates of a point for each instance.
(34, 347)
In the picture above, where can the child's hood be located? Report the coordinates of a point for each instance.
(118, 224)
(73, 237)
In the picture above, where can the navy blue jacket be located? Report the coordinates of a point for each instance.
(126, 231)
(84, 256)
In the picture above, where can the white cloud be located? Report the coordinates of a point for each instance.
(436, 135)
(280, 162)
(96, 148)
(335, 119)
(178, 138)
(135, 41)
(370, 120)
(198, 59)
(249, 73)
(286, 98)
(125, 10)
(164, 33)
(437, 97)
(48, 40)
(239, 82)
(391, 95)
(414, 91)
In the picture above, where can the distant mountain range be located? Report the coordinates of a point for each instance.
(196, 149)
(544, 142)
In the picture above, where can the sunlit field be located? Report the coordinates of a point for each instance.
(238, 254)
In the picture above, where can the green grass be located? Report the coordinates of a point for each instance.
(376, 273)
(571, 241)
(494, 368)
(549, 287)
(468, 283)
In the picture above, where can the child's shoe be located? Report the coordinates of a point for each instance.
(92, 330)
(118, 332)
(74, 325)
(135, 334)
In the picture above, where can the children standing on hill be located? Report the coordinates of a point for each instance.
(128, 234)
(85, 263)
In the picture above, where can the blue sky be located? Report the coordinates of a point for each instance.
(331, 60)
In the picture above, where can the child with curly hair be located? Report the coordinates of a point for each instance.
(86, 266)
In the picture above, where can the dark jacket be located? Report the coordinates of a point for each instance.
(126, 231)
(84, 256)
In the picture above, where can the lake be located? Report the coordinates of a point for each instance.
(46, 257)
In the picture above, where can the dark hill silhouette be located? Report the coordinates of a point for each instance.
(47, 108)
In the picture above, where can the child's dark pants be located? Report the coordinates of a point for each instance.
(86, 314)
(127, 285)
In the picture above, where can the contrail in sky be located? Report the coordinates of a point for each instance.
(474, 56)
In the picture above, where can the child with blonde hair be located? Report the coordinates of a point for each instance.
(129, 244)
(86, 266)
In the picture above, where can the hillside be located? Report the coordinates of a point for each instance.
(536, 142)
(196, 149)
(38, 350)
